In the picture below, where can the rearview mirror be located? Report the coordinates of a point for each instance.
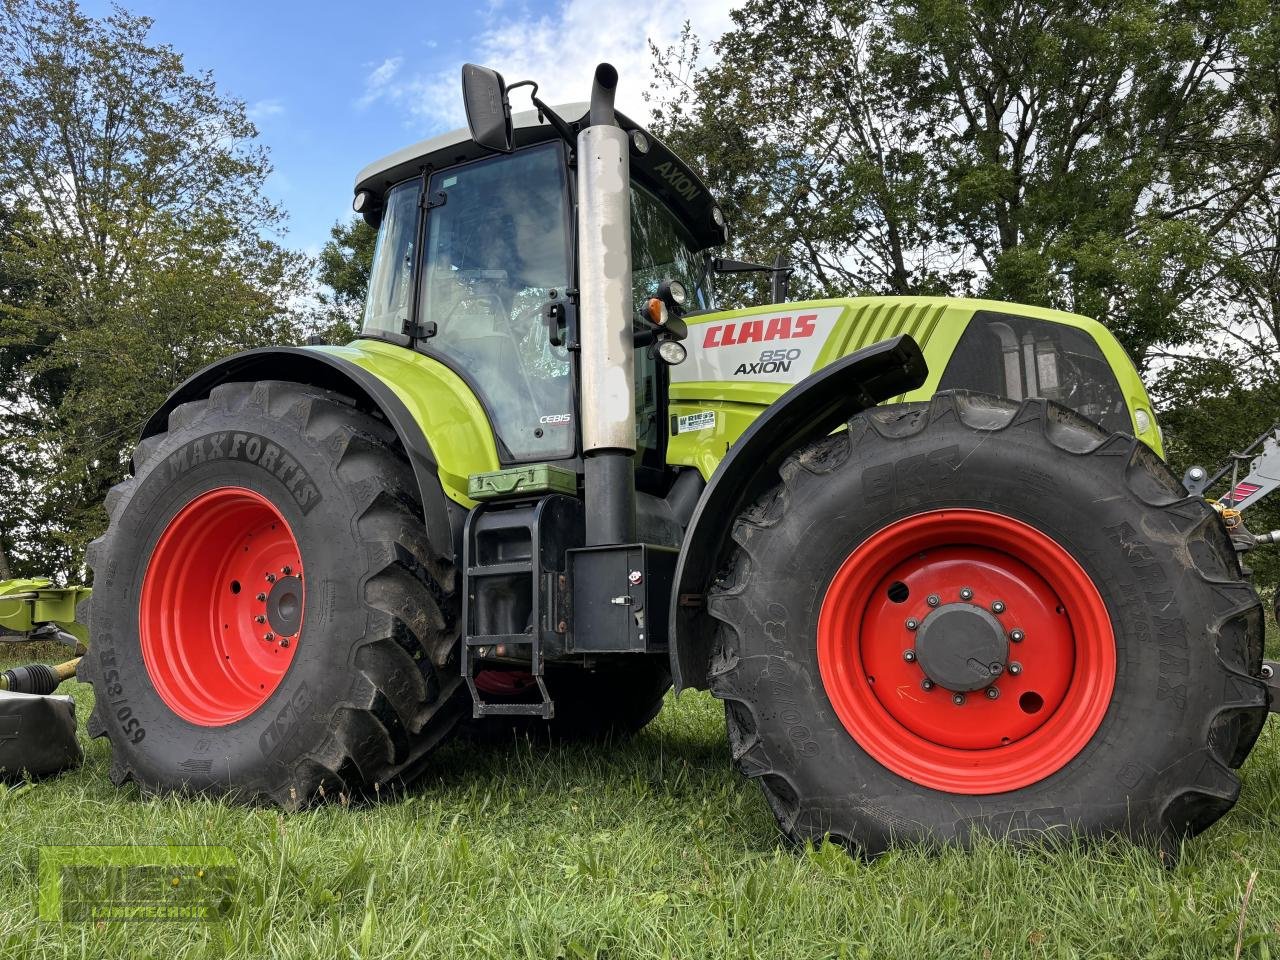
(488, 113)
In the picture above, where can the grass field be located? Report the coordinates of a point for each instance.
(655, 848)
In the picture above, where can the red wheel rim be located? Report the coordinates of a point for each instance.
(1054, 686)
(221, 606)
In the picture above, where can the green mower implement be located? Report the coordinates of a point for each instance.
(925, 550)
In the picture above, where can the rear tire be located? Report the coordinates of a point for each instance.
(341, 695)
(1165, 688)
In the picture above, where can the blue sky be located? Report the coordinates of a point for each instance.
(333, 86)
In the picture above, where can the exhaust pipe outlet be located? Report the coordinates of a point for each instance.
(605, 325)
(603, 89)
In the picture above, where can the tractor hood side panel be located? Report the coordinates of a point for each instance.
(742, 361)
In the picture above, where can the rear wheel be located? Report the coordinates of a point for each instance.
(977, 617)
(268, 618)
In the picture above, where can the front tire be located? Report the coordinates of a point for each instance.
(269, 621)
(873, 683)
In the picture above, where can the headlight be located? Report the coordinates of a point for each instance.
(639, 141)
(672, 352)
(678, 292)
(1142, 419)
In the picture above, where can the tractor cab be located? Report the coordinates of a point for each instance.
(474, 264)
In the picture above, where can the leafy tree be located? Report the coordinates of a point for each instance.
(1081, 154)
(142, 245)
(343, 268)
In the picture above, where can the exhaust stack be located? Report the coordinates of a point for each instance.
(605, 327)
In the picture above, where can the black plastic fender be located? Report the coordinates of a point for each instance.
(811, 409)
(316, 368)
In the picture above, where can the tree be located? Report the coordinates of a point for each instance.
(139, 246)
(344, 266)
(1081, 154)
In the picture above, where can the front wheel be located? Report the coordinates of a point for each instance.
(976, 617)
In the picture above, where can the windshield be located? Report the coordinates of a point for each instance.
(661, 249)
(496, 248)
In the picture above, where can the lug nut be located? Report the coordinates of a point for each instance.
(912, 623)
(268, 636)
(926, 684)
(997, 607)
(933, 600)
(966, 594)
(284, 641)
(286, 570)
(958, 699)
(262, 597)
(909, 656)
(992, 693)
(1016, 636)
(271, 578)
(260, 619)
(1015, 668)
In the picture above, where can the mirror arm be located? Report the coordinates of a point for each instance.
(725, 265)
(553, 118)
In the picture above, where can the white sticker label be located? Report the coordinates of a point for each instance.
(702, 420)
(775, 347)
(1047, 370)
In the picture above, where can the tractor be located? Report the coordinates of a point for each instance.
(925, 550)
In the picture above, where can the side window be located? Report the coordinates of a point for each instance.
(391, 280)
(648, 427)
(661, 249)
(1019, 357)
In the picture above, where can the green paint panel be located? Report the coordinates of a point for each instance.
(27, 603)
(451, 417)
(936, 323)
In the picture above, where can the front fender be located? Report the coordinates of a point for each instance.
(372, 380)
(811, 409)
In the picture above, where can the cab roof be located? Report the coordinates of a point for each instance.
(659, 170)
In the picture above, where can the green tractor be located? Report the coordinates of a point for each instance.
(551, 479)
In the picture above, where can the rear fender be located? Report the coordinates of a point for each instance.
(811, 409)
(320, 368)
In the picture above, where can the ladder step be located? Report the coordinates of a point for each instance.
(543, 710)
(494, 639)
(500, 569)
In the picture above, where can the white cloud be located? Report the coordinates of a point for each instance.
(559, 50)
(263, 109)
(378, 83)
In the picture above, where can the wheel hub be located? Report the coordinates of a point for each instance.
(961, 647)
(284, 607)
